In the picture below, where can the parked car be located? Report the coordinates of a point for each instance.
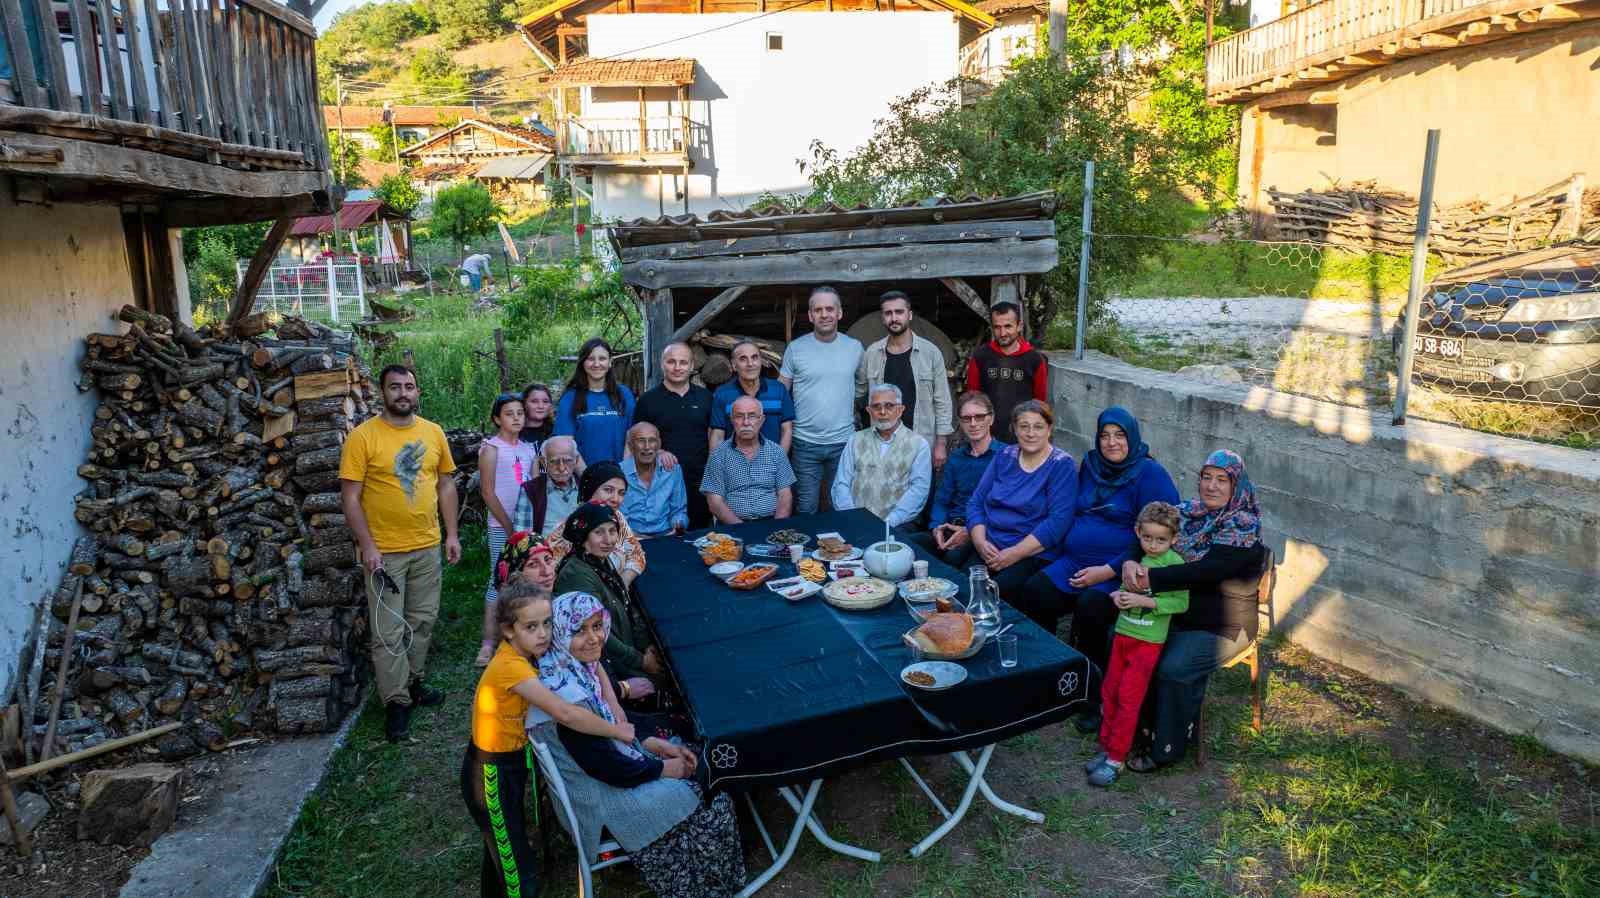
(1521, 328)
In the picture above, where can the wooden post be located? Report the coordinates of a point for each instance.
(23, 837)
(644, 146)
(1058, 28)
(788, 318)
(656, 309)
(1210, 15)
(245, 298)
(60, 689)
(500, 360)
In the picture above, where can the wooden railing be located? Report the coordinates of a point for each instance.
(656, 135)
(1318, 33)
(235, 77)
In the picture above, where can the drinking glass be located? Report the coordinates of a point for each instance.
(1008, 649)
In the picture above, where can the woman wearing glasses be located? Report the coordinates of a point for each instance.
(1022, 508)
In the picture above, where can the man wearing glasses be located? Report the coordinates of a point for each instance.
(886, 468)
(947, 519)
(546, 500)
(748, 477)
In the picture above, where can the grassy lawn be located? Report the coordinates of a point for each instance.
(1247, 268)
(1352, 791)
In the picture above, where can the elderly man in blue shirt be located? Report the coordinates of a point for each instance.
(888, 467)
(656, 502)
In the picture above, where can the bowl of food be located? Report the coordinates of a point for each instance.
(788, 537)
(946, 636)
(725, 569)
(858, 593)
(719, 547)
(752, 576)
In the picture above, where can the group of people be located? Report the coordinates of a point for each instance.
(576, 485)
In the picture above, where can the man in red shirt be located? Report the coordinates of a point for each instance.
(1008, 369)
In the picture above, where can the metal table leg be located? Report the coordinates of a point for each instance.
(804, 820)
(975, 784)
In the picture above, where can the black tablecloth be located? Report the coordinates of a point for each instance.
(784, 692)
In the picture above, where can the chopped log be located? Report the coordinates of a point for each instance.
(311, 363)
(252, 326)
(149, 321)
(271, 661)
(335, 588)
(321, 385)
(168, 544)
(319, 482)
(338, 423)
(210, 735)
(310, 631)
(322, 503)
(82, 559)
(322, 408)
(129, 805)
(308, 442)
(318, 460)
(324, 557)
(308, 715)
(124, 706)
(196, 414)
(334, 521)
(172, 698)
(185, 574)
(179, 745)
(277, 426)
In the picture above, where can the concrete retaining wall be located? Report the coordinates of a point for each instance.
(65, 271)
(1461, 567)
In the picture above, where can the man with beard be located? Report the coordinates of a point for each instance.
(395, 487)
(886, 468)
(914, 365)
(681, 413)
(1008, 369)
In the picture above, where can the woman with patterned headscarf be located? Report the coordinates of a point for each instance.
(1220, 540)
(604, 482)
(592, 532)
(642, 792)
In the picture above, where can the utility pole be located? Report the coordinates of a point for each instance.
(1058, 28)
(338, 100)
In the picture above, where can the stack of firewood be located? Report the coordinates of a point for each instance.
(1366, 218)
(219, 585)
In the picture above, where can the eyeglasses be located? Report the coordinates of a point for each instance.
(1031, 428)
(974, 419)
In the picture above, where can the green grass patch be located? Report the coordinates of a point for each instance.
(1251, 268)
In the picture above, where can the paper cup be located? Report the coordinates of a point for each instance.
(919, 569)
(796, 553)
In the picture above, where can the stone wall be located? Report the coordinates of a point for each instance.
(1461, 567)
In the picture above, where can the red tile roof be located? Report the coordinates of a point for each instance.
(351, 216)
(625, 72)
(360, 117)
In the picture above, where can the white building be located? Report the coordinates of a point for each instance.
(674, 112)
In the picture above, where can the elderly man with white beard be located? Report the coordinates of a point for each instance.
(887, 468)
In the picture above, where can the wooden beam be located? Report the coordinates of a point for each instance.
(1551, 13)
(707, 312)
(245, 298)
(656, 309)
(109, 164)
(901, 235)
(1439, 41)
(967, 295)
(849, 266)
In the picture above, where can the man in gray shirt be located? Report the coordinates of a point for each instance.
(820, 371)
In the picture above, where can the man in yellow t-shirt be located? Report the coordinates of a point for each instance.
(393, 496)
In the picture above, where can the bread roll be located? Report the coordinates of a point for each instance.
(944, 634)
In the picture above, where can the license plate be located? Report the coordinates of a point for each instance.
(1443, 347)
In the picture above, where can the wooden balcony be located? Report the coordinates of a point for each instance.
(640, 141)
(186, 100)
(1335, 39)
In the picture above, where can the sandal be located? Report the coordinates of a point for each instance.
(485, 653)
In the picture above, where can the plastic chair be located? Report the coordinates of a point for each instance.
(611, 853)
(1250, 654)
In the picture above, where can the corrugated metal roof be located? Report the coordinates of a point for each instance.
(722, 224)
(351, 216)
(625, 72)
(515, 167)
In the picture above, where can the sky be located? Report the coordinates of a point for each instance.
(334, 7)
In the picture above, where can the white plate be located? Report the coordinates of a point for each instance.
(855, 552)
(944, 674)
(852, 569)
(725, 569)
(800, 586)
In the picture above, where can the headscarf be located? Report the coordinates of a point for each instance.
(520, 547)
(595, 476)
(1236, 524)
(1108, 476)
(583, 520)
(573, 681)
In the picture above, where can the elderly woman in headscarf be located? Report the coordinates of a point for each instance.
(593, 534)
(1117, 478)
(642, 792)
(604, 482)
(1220, 539)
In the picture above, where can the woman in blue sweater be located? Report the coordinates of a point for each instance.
(1117, 478)
(1023, 505)
(594, 409)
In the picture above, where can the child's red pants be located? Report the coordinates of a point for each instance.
(1127, 677)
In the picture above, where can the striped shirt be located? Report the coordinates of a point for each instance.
(749, 486)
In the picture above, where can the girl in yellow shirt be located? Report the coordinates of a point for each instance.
(497, 767)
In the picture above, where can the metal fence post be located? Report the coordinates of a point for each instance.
(361, 292)
(1083, 260)
(1419, 264)
(333, 291)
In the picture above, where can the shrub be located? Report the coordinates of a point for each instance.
(399, 192)
(464, 211)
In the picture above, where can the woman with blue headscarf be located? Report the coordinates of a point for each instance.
(1116, 479)
(684, 844)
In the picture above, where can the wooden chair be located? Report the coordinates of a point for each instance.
(1261, 589)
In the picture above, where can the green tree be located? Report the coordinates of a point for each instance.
(463, 21)
(345, 155)
(399, 192)
(436, 70)
(464, 211)
(213, 275)
(573, 289)
(1033, 132)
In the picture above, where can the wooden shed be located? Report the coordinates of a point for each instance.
(750, 272)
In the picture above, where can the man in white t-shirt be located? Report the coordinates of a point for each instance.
(820, 371)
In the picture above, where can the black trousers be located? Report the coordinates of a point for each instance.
(960, 559)
(1093, 615)
(494, 785)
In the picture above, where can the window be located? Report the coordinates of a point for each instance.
(774, 40)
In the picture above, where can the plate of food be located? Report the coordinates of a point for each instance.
(718, 547)
(933, 675)
(794, 588)
(946, 636)
(926, 589)
(788, 537)
(830, 547)
(766, 550)
(725, 569)
(838, 570)
(752, 576)
(858, 593)
(812, 570)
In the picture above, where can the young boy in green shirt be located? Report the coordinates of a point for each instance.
(1140, 632)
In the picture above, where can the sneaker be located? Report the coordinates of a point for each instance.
(423, 696)
(1087, 723)
(396, 722)
(1104, 775)
(1098, 759)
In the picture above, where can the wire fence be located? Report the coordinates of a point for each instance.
(1508, 346)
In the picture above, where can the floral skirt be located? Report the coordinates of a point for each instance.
(699, 858)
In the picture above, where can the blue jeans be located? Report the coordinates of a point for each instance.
(814, 468)
(1172, 704)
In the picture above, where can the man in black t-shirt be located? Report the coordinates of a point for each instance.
(681, 411)
(1008, 369)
